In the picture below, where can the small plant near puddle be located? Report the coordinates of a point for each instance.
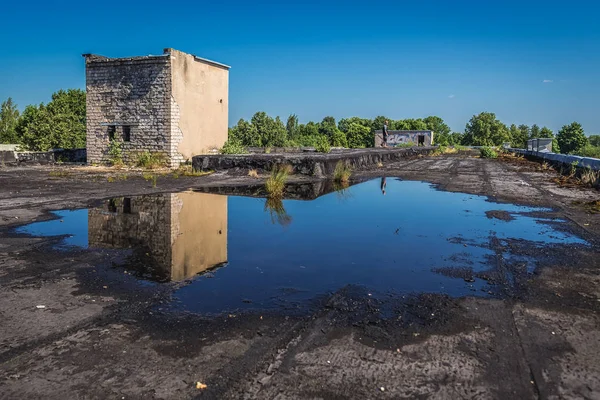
(59, 174)
(148, 160)
(151, 178)
(275, 184)
(342, 172)
(233, 147)
(444, 150)
(253, 173)
(188, 170)
(590, 177)
(488, 152)
(592, 207)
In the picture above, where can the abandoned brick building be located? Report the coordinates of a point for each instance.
(174, 104)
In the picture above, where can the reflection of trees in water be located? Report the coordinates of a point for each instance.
(277, 211)
(341, 190)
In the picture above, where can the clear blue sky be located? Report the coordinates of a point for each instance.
(527, 61)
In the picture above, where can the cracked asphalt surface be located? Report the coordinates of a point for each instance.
(101, 336)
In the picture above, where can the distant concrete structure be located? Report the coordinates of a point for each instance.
(540, 145)
(418, 138)
(175, 104)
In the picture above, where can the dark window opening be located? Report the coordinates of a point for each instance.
(126, 133)
(111, 132)
(421, 140)
(126, 205)
(112, 205)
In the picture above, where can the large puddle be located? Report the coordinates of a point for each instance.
(389, 237)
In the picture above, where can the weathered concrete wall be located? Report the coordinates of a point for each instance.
(396, 137)
(183, 234)
(315, 164)
(581, 162)
(70, 155)
(199, 105)
(128, 91)
(8, 157)
(36, 157)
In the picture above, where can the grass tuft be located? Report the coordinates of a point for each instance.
(342, 172)
(148, 160)
(188, 170)
(253, 173)
(275, 184)
(151, 178)
(488, 152)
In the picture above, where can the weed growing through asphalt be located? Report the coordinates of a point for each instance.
(188, 170)
(342, 172)
(151, 178)
(148, 160)
(275, 184)
(58, 174)
(488, 152)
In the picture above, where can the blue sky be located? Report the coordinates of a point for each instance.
(527, 61)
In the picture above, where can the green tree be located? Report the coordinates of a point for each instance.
(535, 132)
(308, 134)
(344, 124)
(271, 132)
(525, 134)
(359, 136)
(441, 131)
(485, 129)
(515, 133)
(292, 126)
(546, 133)
(59, 124)
(456, 138)
(594, 140)
(416, 124)
(9, 117)
(335, 136)
(377, 123)
(571, 138)
(245, 133)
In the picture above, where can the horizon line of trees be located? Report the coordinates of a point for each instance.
(58, 124)
(61, 124)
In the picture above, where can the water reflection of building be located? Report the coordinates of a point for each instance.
(180, 234)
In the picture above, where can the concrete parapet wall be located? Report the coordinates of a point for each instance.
(582, 162)
(42, 157)
(314, 164)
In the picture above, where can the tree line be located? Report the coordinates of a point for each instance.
(58, 124)
(61, 124)
(483, 129)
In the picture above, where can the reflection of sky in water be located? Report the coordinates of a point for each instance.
(73, 223)
(386, 243)
(338, 240)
